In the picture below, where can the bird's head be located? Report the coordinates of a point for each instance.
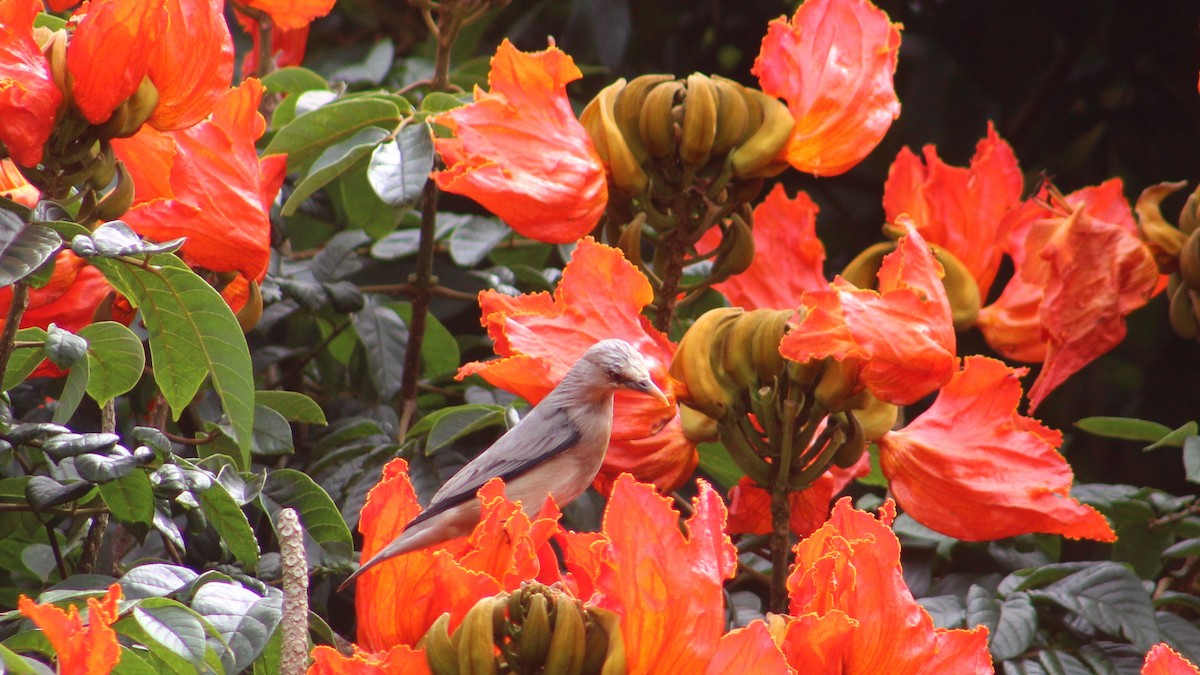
(623, 367)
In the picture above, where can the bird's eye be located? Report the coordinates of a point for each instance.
(616, 376)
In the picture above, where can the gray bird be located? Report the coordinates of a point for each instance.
(555, 450)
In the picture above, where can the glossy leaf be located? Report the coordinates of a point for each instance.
(399, 168)
(384, 337)
(243, 619)
(307, 136)
(130, 499)
(23, 248)
(334, 161)
(174, 627)
(26, 359)
(327, 539)
(474, 238)
(64, 348)
(228, 519)
(294, 406)
(116, 359)
(1124, 428)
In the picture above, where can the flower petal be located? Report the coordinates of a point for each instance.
(833, 63)
(292, 14)
(399, 660)
(748, 650)
(29, 100)
(539, 338)
(521, 153)
(750, 505)
(1162, 660)
(87, 651)
(192, 64)
(971, 467)
(109, 53)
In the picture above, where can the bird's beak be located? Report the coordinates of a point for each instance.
(653, 390)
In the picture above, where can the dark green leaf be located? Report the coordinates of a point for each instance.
(73, 392)
(439, 351)
(327, 539)
(947, 610)
(1176, 438)
(359, 207)
(1013, 627)
(268, 663)
(1191, 458)
(398, 244)
(104, 468)
(132, 663)
(294, 406)
(339, 258)
(1183, 549)
(1141, 547)
(64, 348)
(307, 136)
(116, 360)
(193, 334)
(334, 161)
(26, 359)
(272, 433)
(400, 168)
(1124, 428)
(13, 663)
(70, 445)
(130, 498)
(43, 492)
(1181, 634)
(439, 102)
(23, 248)
(384, 338)
(243, 619)
(174, 627)
(373, 67)
(459, 422)
(292, 80)
(474, 237)
(716, 462)
(1111, 597)
(40, 431)
(155, 580)
(228, 519)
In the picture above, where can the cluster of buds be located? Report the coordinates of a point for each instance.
(534, 630)
(1176, 251)
(684, 156)
(773, 415)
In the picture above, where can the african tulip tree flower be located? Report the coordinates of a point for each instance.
(520, 152)
(960, 209)
(971, 467)
(91, 650)
(292, 14)
(14, 186)
(1162, 660)
(399, 600)
(29, 100)
(857, 616)
(898, 341)
(833, 64)
(787, 228)
(287, 46)
(207, 183)
(1080, 270)
(399, 660)
(539, 336)
(750, 505)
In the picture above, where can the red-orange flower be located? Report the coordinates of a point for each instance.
(666, 586)
(292, 14)
(182, 46)
(208, 184)
(287, 45)
(399, 600)
(750, 505)
(1080, 270)
(28, 98)
(973, 468)
(790, 259)
(833, 63)
(399, 660)
(520, 152)
(900, 337)
(81, 651)
(540, 336)
(960, 209)
(847, 584)
(14, 186)
(1162, 660)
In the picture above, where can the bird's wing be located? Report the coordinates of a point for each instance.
(511, 455)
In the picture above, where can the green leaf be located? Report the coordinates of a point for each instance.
(63, 347)
(155, 580)
(1124, 428)
(439, 102)
(115, 239)
(13, 663)
(359, 206)
(43, 492)
(130, 498)
(243, 619)
(327, 540)
(173, 626)
(384, 338)
(1012, 624)
(474, 237)
(26, 359)
(947, 611)
(228, 519)
(268, 663)
(307, 136)
(400, 168)
(1191, 458)
(716, 462)
(292, 80)
(294, 406)
(23, 247)
(1183, 549)
(369, 65)
(439, 350)
(132, 663)
(1109, 596)
(193, 333)
(116, 360)
(1176, 438)
(73, 391)
(460, 422)
(99, 469)
(272, 433)
(334, 161)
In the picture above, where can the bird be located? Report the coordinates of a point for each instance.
(555, 450)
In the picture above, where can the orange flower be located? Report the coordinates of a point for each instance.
(28, 98)
(14, 186)
(900, 337)
(750, 649)
(292, 14)
(81, 651)
(1084, 269)
(208, 184)
(785, 234)
(1162, 660)
(540, 336)
(399, 660)
(973, 468)
(849, 599)
(667, 587)
(520, 152)
(183, 46)
(399, 600)
(287, 46)
(960, 209)
(750, 505)
(833, 64)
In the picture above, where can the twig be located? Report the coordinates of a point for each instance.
(12, 323)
